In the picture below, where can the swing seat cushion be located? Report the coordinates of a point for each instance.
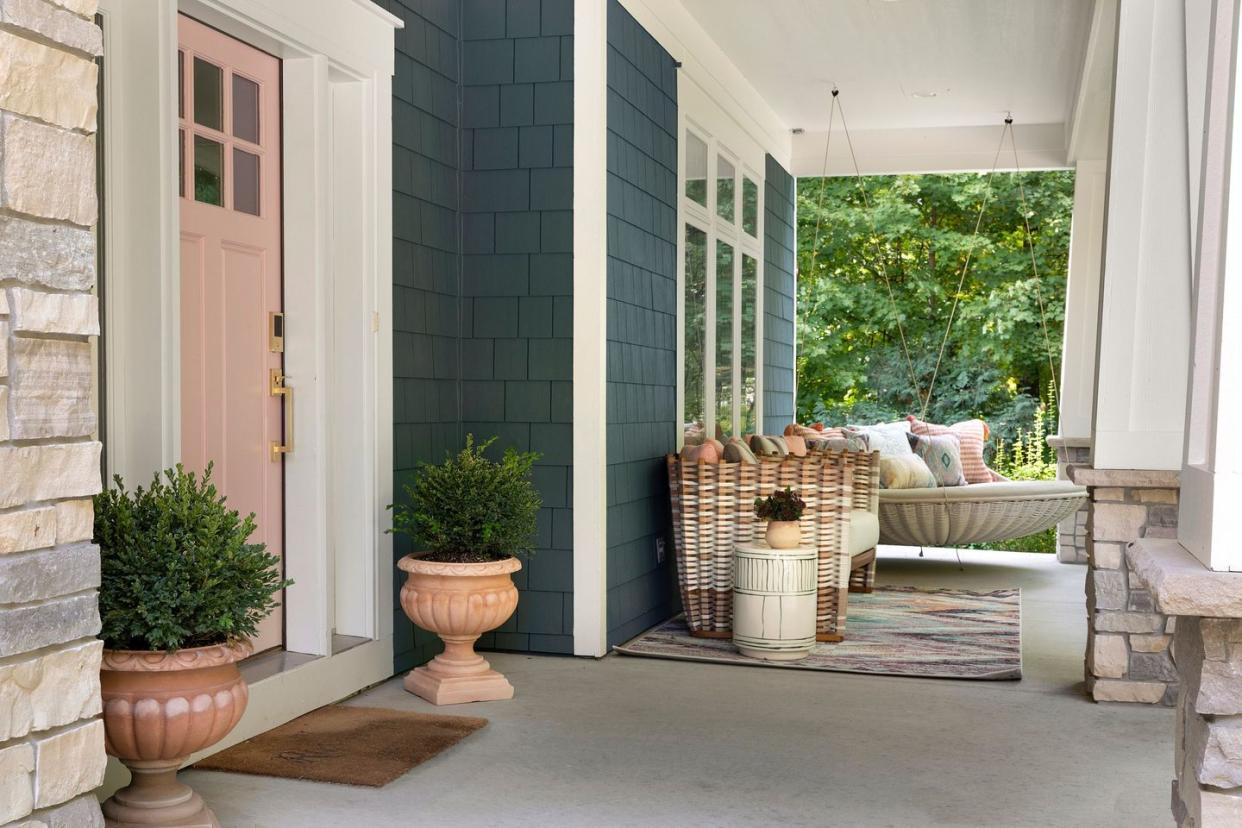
(977, 513)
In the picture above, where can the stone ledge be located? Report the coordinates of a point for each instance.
(1181, 584)
(1057, 441)
(1123, 478)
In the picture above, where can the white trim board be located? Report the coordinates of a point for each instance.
(336, 105)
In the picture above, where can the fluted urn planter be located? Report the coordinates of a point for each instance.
(458, 602)
(158, 708)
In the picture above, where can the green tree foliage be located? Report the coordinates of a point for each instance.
(177, 570)
(919, 232)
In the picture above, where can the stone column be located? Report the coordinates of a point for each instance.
(1128, 657)
(1207, 766)
(1072, 532)
(51, 739)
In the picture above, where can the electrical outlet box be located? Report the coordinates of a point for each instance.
(659, 550)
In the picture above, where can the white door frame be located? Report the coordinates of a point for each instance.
(337, 65)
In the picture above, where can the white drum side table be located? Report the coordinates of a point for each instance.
(774, 601)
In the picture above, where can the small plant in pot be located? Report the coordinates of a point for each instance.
(782, 511)
(476, 518)
(181, 591)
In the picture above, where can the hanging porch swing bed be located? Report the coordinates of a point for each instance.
(976, 512)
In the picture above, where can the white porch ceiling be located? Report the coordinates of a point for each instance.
(925, 83)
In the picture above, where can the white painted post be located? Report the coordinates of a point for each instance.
(1144, 331)
(1082, 305)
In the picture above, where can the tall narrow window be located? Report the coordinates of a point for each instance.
(726, 175)
(750, 207)
(696, 169)
(695, 327)
(724, 340)
(750, 385)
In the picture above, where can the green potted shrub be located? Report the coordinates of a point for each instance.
(181, 592)
(475, 517)
(782, 511)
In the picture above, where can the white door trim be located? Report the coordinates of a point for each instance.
(337, 83)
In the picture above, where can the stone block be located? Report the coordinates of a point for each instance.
(47, 255)
(85, 8)
(1129, 622)
(1117, 521)
(1144, 692)
(1209, 656)
(1215, 749)
(1219, 809)
(50, 690)
(16, 784)
(75, 520)
(48, 172)
(57, 24)
(1153, 666)
(48, 573)
(1109, 589)
(82, 812)
(53, 313)
(1109, 494)
(48, 472)
(27, 529)
(68, 763)
(41, 82)
(1150, 643)
(1109, 656)
(1157, 495)
(1107, 555)
(30, 627)
(1140, 600)
(52, 388)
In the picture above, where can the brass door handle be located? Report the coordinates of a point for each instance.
(280, 389)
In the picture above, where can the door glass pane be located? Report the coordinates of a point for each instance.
(724, 340)
(245, 109)
(181, 162)
(750, 289)
(180, 84)
(696, 168)
(208, 171)
(750, 206)
(724, 188)
(208, 94)
(245, 182)
(694, 415)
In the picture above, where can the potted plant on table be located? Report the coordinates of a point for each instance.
(181, 591)
(782, 511)
(476, 518)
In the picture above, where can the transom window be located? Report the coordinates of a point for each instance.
(720, 254)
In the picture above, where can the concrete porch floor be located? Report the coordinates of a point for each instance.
(635, 741)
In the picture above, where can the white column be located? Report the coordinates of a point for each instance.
(1144, 331)
(590, 324)
(1082, 305)
(1210, 519)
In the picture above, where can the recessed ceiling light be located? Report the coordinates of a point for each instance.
(931, 93)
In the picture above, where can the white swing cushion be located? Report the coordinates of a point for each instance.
(977, 513)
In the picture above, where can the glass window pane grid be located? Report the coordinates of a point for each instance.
(726, 188)
(695, 321)
(724, 425)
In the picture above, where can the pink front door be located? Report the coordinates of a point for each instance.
(229, 119)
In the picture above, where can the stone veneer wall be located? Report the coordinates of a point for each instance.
(51, 739)
(1072, 532)
(1128, 654)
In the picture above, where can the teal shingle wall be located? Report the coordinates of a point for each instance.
(482, 268)
(778, 298)
(642, 307)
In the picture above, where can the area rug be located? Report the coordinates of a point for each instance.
(347, 745)
(894, 631)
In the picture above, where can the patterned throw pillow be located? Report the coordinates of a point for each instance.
(846, 442)
(765, 446)
(943, 455)
(736, 451)
(905, 472)
(887, 438)
(972, 434)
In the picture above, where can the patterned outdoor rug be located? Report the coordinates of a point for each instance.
(894, 631)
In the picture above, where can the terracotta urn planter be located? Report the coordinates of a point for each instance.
(158, 708)
(783, 534)
(458, 602)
